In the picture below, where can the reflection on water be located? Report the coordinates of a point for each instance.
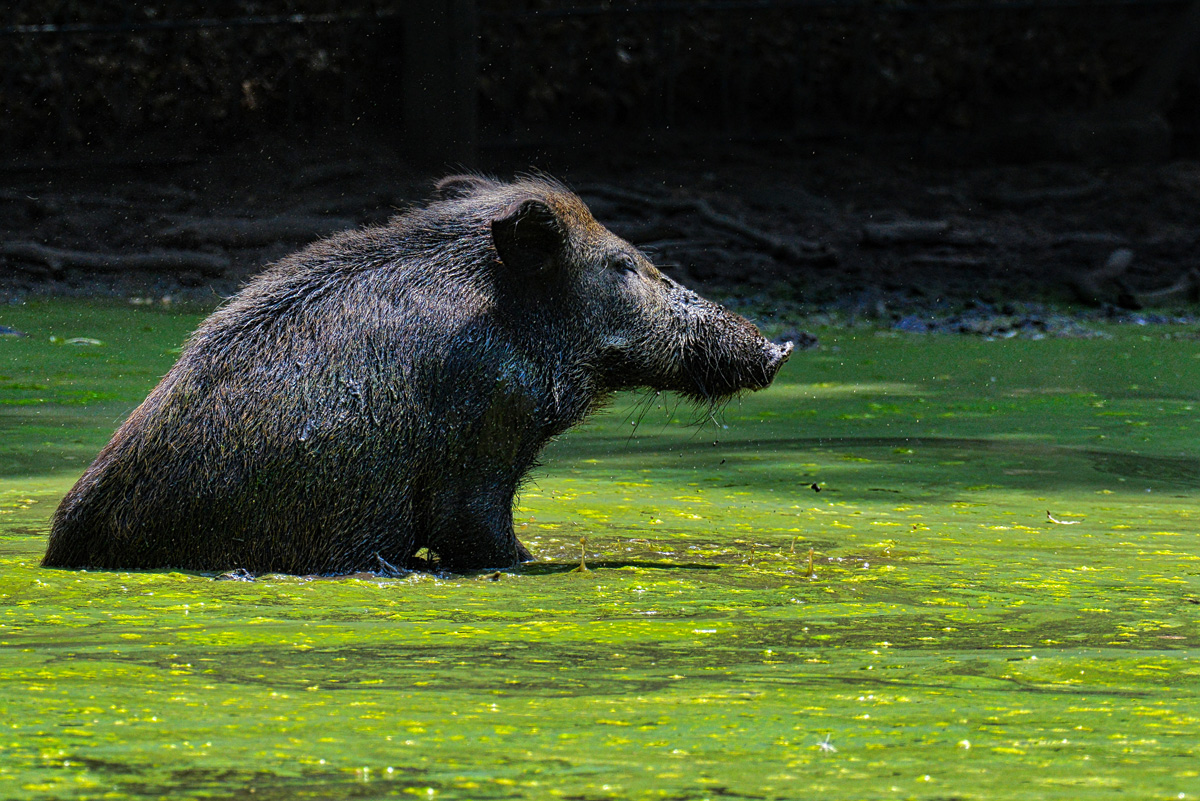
(1175, 471)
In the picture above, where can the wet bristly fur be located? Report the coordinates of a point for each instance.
(387, 389)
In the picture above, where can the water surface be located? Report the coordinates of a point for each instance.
(953, 642)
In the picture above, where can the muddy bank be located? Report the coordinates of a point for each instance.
(827, 230)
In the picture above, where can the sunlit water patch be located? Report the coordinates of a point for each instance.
(916, 568)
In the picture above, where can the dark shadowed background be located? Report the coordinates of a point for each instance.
(870, 155)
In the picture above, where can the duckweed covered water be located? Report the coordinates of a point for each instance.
(953, 642)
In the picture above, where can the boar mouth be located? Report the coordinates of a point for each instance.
(776, 355)
(715, 378)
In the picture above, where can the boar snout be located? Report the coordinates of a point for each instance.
(777, 354)
(774, 356)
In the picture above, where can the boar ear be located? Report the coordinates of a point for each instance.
(528, 235)
(461, 185)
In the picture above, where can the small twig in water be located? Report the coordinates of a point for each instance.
(583, 568)
(387, 568)
(237, 574)
(1052, 519)
(810, 573)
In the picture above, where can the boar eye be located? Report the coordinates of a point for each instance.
(625, 263)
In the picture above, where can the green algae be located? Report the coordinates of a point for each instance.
(954, 642)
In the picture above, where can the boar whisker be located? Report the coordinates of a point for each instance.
(644, 406)
(671, 414)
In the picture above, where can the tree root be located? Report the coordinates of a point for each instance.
(152, 261)
(237, 232)
(802, 251)
(1105, 283)
(906, 232)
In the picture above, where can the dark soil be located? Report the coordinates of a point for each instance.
(866, 234)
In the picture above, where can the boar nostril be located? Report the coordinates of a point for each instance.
(778, 353)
